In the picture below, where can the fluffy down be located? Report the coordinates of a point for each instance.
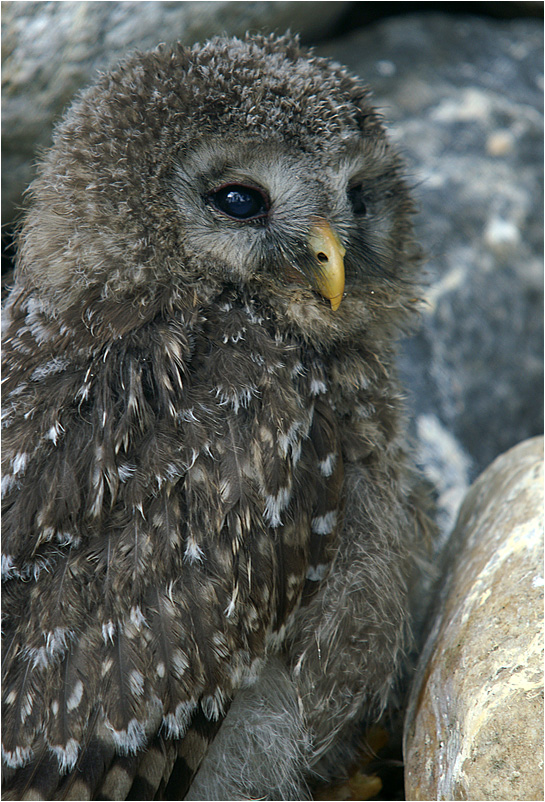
(210, 526)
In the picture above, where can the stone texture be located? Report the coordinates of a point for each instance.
(474, 725)
(463, 99)
(52, 49)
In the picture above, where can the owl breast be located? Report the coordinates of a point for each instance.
(272, 457)
(200, 465)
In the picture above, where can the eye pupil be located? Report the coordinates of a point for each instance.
(357, 200)
(239, 202)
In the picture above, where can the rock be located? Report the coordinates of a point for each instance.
(474, 725)
(463, 99)
(53, 49)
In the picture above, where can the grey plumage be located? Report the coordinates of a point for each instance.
(208, 516)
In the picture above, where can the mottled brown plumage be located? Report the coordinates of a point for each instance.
(209, 529)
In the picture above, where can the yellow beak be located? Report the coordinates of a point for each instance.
(326, 246)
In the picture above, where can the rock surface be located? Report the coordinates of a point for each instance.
(53, 49)
(463, 99)
(474, 726)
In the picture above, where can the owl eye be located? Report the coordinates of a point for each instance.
(357, 200)
(239, 202)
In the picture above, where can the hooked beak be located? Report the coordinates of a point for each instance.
(329, 252)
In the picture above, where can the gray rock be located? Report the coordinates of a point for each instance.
(52, 49)
(474, 725)
(463, 99)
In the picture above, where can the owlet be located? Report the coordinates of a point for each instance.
(210, 524)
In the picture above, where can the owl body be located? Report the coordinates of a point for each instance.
(209, 520)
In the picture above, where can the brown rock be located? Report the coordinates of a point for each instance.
(474, 727)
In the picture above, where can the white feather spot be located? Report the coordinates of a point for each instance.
(326, 465)
(83, 392)
(324, 524)
(75, 697)
(213, 706)
(274, 505)
(66, 755)
(54, 432)
(19, 463)
(317, 572)
(130, 740)
(39, 656)
(160, 668)
(193, 552)
(108, 632)
(56, 641)
(11, 697)
(8, 483)
(136, 682)
(188, 415)
(236, 338)
(56, 365)
(237, 399)
(137, 617)
(230, 609)
(68, 539)
(106, 666)
(317, 387)
(8, 566)
(180, 663)
(18, 757)
(36, 326)
(55, 707)
(299, 665)
(176, 723)
(194, 455)
(26, 707)
(225, 489)
(288, 440)
(253, 315)
(126, 471)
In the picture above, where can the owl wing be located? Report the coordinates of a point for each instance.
(170, 501)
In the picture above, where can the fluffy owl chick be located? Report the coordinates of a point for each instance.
(209, 525)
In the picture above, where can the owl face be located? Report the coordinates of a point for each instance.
(249, 163)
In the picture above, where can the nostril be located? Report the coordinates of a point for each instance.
(322, 257)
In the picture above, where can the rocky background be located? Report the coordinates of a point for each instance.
(474, 727)
(461, 89)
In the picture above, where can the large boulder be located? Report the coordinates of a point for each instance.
(474, 725)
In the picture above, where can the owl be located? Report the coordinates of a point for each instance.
(211, 526)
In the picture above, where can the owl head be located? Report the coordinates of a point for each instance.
(251, 164)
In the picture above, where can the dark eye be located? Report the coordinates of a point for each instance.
(239, 202)
(357, 199)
